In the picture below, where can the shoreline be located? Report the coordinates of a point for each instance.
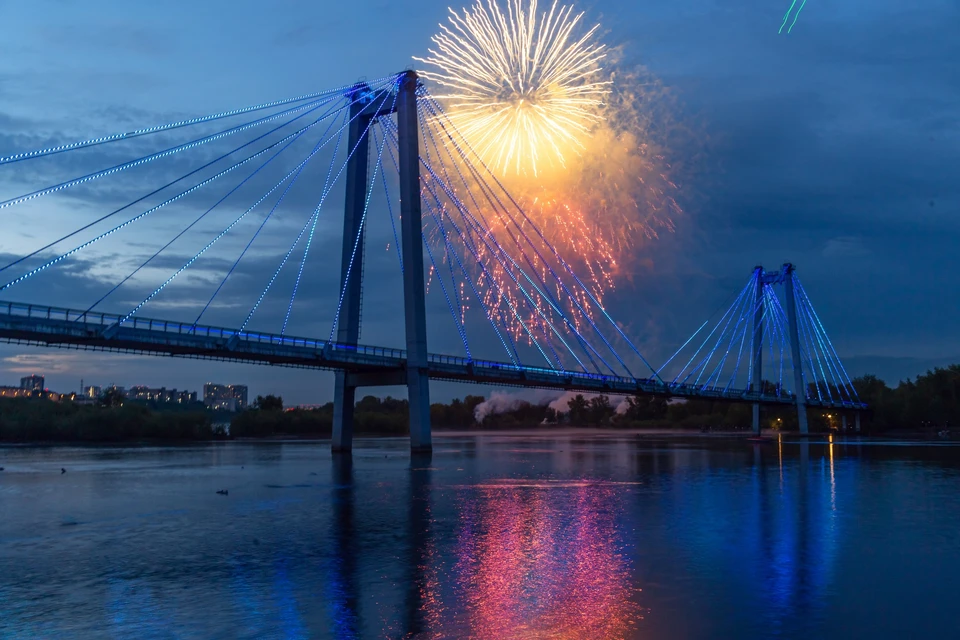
(900, 436)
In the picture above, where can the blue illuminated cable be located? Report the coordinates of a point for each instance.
(804, 320)
(190, 226)
(833, 382)
(295, 172)
(178, 196)
(573, 298)
(123, 166)
(225, 231)
(500, 254)
(307, 225)
(363, 217)
(393, 225)
(706, 340)
(829, 342)
(556, 254)
(439, 219)
(774, 331)
(742, 320)
(27, 155)
(457, 318)
(313, 227)
(810, 352)
(723, 339)
(511, 349)
(784, 328)
(483, 233)
(469, 244)
(82, 246)
(700, 367)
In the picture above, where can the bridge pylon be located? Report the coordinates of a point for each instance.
(370, 106)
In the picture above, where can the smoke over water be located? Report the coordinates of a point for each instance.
(504, 402)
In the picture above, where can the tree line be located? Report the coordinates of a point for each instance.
(930, 402)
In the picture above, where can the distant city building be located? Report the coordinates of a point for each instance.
(33, 383)
(91, 392)
(21, 392)
(15, 392)
(225, 397)
(161, 395)
(114, 388)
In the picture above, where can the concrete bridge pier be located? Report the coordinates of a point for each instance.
(372, 105)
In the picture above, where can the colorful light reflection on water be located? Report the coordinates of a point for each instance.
(544, 560)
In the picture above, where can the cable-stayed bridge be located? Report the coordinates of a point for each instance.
(216, 216)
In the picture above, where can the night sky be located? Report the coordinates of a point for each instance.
(836, 147)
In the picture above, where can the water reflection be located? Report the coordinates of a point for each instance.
(492, 539)
(341, 584)
(535, 560)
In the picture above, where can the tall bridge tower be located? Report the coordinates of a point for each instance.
(370, 106)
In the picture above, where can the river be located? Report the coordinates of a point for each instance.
(496, 536)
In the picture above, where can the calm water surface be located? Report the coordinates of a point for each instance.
(572, 536)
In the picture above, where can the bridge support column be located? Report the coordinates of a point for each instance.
(843, 426)
(351, 266)
(757, 346)
(799, 386)
(414, 303)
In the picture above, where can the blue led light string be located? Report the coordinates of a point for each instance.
(511, 349)
(457, 318)
(733, 336)
(775, 331)
(831, 384)
(816, 317)
(123, 166)
(469, 244)
(182, 193)
(784, 324)
(543, 290)
(808, 348)
(295, 172)
(483, 235)
(214, 241)
(92, 142)
(569, 269)
(393, 224)
(700, 368)
(191, 225)
(103, 235)
(573, 298)
(755, 335)
(705, 340)
(363, 216)
(313, 228)
(446, 246)
(483, 232)
(804, 319)
(316, 213)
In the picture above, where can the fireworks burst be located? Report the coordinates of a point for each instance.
(521, 86)
(528, 91)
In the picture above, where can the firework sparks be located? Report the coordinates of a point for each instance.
(532, 92)
(523, 87)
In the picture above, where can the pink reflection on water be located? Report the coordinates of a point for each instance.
(544, 560)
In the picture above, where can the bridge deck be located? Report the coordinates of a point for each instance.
(68, 328)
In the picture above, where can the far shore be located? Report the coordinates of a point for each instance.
(904, 436)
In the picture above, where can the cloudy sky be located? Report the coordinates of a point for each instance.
(835, 147)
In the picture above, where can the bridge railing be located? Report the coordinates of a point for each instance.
(464, 366)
